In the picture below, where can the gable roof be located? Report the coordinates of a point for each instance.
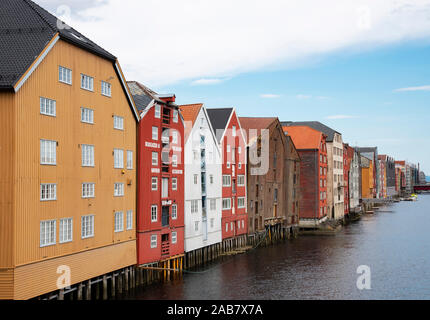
(329, 132)
(304, 137)
(248, 123)
(25, 30)
(142, 95)
(189, 113)
(219, 120)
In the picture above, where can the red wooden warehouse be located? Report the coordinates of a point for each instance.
(312, 148)
(160, 192)
(233, 150)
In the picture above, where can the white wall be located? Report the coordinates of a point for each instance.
(194, 239)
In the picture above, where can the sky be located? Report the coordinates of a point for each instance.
(361, 67)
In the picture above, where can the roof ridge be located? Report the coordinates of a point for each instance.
(33, 5)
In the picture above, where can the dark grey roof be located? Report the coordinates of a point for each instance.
(142, 95)
(25, 30)
(314, 125)
(219, 118)
(367, 149)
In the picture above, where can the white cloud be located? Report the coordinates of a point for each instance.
(160, 42)
(340, 116)
(303, 96)
(420, 88)
(270, 96)
(204, 82)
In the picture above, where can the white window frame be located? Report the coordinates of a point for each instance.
(174, 160)
(212, 204)
(153, 241)
(174, 211)
(196, 225)
(157, 111)
(130, 159)
(196, 178)
(48, 107)
(118, 156)
(129, 220)
(118, 189)
(48, 237)
(239, 178)
(87, 151)
(66, 230)
(63, 73)
(119, 221)
(228, 164)
(48, 152)
(174, 237)
(174, 136)
(154, 218)
(87, 82)
(50, 192)
(175, 116)
(228, 182)
(87, 227)
(241, 205)
(211, 178)
(155, 133)
(118, 123)
(88, 190)
(194, 206)
(233, 129)
(154, 159)
(224, 201)
(154, 186)
(87, 115)
(174, 183)
(106, 89)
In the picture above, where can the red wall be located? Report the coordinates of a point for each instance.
(147, 197)
(240, 213)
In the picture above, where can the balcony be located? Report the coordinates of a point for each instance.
(165, 248)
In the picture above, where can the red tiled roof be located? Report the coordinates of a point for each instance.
(189, 113)
(304, 137)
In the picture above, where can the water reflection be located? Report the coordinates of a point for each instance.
(394, 243)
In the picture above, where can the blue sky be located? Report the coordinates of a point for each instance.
(356, 89)
(336, 61)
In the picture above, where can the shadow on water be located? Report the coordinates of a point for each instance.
(394, 243)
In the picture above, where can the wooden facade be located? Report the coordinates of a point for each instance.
(22, 126)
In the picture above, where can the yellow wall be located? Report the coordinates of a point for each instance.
(67, 129)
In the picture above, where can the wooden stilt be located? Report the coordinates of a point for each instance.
(113, 285)
(61, 294)
(80, 286)
(88, 290)
(105, 293)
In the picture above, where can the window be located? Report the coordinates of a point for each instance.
(174, 236)
(174, 183)
(87, 82)
(174, 211)
(175, 116)
(118, 122)
(239, 150)
(228, 165)
(106, 89)
(88, 190)
(87, 155)
(119, 222)
(213, 204)
(155, 158)
(48, 107)
(231, 226)
(194, 206)
(48, 191)
(157, 111)
(154, 210)
(234, 131)
(174, 136)
(196, 155)
(154, 133)
(129, 219)
(118, 156)
(66, 230)
(226, 180)
(196, 225)
(211, 179)
(243, 224)
(129, 159)
(87, 115)
(240, 180)
(174, 160)
(48, 152)
(226, 204)
(64, 75)
(154, 241)
(241, 202)
(240, 165)
(154, 183)
(228, 148)
(212, 222)
(165, 187)
(47, 232)
(226, 227)
(196, 177)
(118, 190)
(87, 226)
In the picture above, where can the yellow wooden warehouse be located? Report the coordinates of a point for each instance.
(67, 154)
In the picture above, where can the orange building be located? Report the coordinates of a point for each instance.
(367, 185)
(68, 154)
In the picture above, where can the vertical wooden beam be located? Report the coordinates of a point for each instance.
(113, 285)
(105, 293)
(88, 290)
(61, 294)
(80, 286)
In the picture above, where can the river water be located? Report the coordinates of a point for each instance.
(394, 243)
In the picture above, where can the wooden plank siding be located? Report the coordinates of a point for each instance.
(70, 133)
